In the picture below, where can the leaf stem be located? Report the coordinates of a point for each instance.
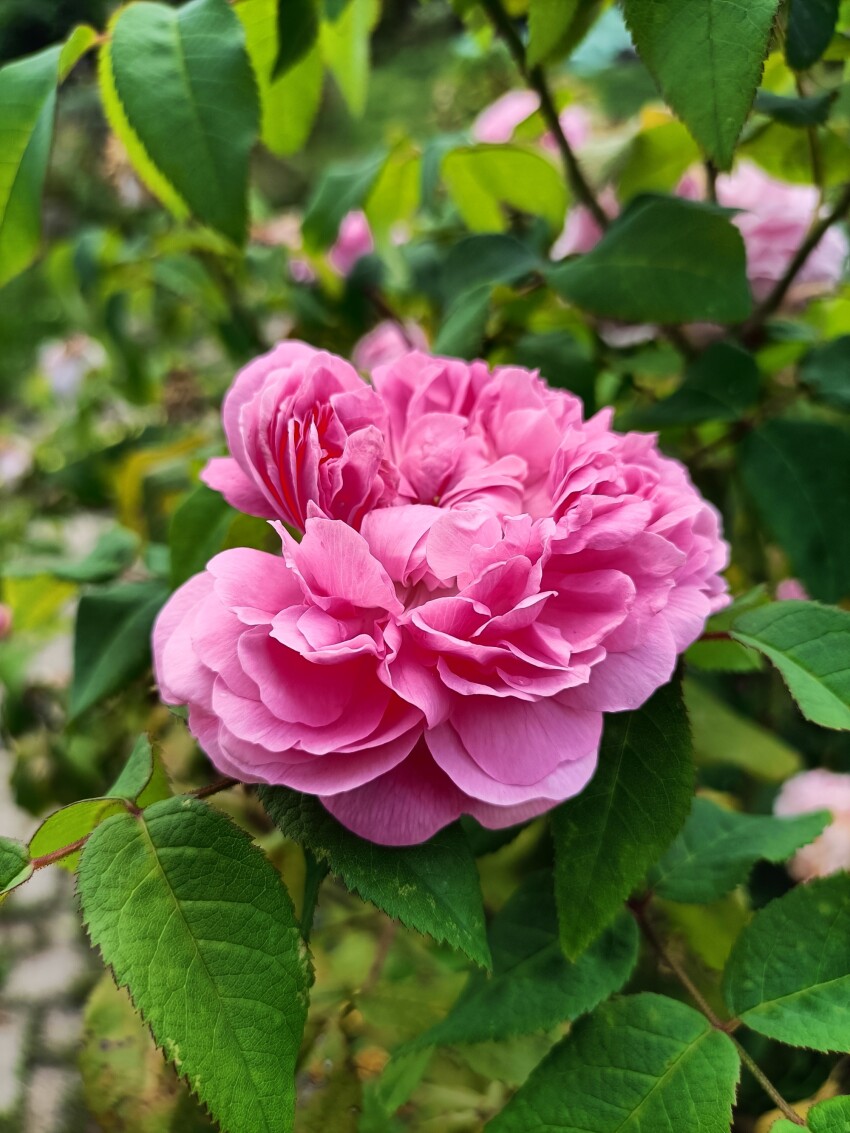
(315, 873)
(767, 1085)
(535, 79)
(58, 855)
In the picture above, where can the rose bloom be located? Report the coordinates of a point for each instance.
(819, 790)
(482, 574)
(386, 343)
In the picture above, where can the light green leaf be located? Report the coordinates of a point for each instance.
(810, 645)
(112, 639)
(663, 260)
(830, 1116)
(297, 31)
(656, 160)
(394, 197)
(15, 866)
(707, 59)
(196, 923)
(789, 973)
(483, 179)
(798, 476)
(607, 837)
(810, 28)
(720, 385)
(717, 848)
(69, 825)
(289, 104)
(722, 737)
(198, 531)
(723, 657)
(344, 44)
(533, 986)
(81, 40)
(548, 23)
(144, 779)
(27, 104)
(432, 888)
(185, 86)
(642, 1064)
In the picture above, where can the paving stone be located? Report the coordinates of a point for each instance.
(45, 975)
(13, 1034)
(48, 1088)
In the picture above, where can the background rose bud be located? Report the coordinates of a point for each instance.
(354, 240)
(819, 790)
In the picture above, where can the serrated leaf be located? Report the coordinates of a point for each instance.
(810, 645)
(642, 1064)
(830, 1116)
(344, 44)
(789, 973)
(798, 475)
(27, 105)
(717, 848)
(112, 639)
(432, 888)
(144, 779)
(197, 532)
(186, 89)
(482, 180)
(663, 260)
(533, 986)
(706, 57)
(719, 385)
(15, 866)
(725, 738)
(196, 923)
(810, 27)
(607, 837)
(297, 31)
(69, 825)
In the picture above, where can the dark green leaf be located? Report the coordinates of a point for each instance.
(664, 260)
(798, 475)
(826, 370)
(642, 1064)
(789, 973)
(68, 825)
(717, 849)
(195, 921)
(432, 888)
(341, 189)
(719, 385)
(187, 91)
(143, 780)
(812, 111)
(297, 30)
(607, 837)
(112, 639)
(462, 330)
(15, 866)
(810, 645)
(480, 260)
(811, 24)
(707, 59)
(27, 103)
(533, 986)
(198, 531)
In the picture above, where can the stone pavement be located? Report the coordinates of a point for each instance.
(46, 971)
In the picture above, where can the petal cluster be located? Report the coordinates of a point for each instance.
(480, 575)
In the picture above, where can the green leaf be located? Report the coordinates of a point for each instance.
(656, 160)
(339, 190)
(830, 1116)
(548, 23)
(394, 197)
(112, 639)
(144, 779)
(432, 888)
(113, 553)
(663, 260)
(825, 370)
(642, 1064)
(297, 31)
(289, 104)
(607, 837)
(483, 179)
(27, 104)
(811, 24)
(462, 330)
(69, 825)
(717, 849)
(810, 645)
(789, 973)
(479, 260)
(800, 112)
(723, 657)
(81, 40)
(724, 738)
(194, 920)
(707, 59)
(798, 476)
(533, 986)
(186, 89)
(344, 45)
(719, 385)
(15, 866)
(198, 531)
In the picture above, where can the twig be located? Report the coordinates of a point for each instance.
(711, 181)
(535, 79)
(768, 1086)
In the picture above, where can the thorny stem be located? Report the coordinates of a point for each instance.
(535, 78)
(637, 907)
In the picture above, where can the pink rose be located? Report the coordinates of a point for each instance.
(819, 790)
(497, 122)
(5, 620)
(455, 654)
(387, 342)
(791, 589)
(354, 240)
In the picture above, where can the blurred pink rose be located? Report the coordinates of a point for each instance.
(520, 572)
(790, 589)
(5, 620)
(354, 240)
(819, 790)
(387, 342)
(497, 122)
